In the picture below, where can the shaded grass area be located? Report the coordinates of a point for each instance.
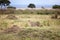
(33, 34)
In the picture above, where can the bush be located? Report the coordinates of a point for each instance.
(11, 7)
(56, 7)
(55, 16)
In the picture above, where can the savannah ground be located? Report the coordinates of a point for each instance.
(27, 25)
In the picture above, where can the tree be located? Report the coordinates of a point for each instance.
(56, 7)
(31, 5)
(4, 3)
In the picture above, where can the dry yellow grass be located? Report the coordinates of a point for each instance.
(50, 29)
(23, 20)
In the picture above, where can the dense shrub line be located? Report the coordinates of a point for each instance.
(32, 11)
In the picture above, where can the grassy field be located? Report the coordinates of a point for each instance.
(29, 27)
(25, 20)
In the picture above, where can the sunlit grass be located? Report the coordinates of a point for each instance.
(49, 29)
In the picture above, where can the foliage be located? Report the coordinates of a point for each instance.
(56, 7)
(28, 11)
(4, 2)
(31, 5)
(55, 16)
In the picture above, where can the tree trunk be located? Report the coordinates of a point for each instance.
(5, 7)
